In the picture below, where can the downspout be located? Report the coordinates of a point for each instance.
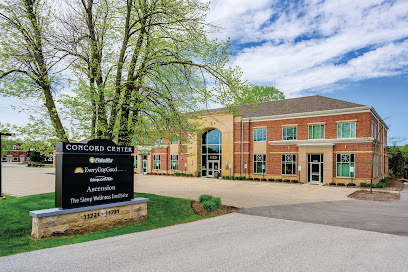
(242, 146)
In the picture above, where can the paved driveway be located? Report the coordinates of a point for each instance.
(240, 193)
(234, 242)
(19, 180)
(386, 217)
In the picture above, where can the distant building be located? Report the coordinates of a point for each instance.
(315, 140)
(16, 154)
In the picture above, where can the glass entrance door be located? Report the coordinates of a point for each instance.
(212, 166)
(144, 164)
(315, 168)
(315, 173)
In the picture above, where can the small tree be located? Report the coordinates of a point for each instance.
(397, 161)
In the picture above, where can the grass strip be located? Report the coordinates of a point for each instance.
(15, 222)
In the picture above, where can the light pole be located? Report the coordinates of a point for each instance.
(2, 134)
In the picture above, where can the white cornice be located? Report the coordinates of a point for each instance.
(308, 114)
(321, 142)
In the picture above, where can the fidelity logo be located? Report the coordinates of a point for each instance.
(100, 160)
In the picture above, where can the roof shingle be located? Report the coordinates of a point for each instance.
(290, 106)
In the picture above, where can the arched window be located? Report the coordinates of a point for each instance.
(211, 152)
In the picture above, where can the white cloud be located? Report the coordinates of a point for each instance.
(312, 44)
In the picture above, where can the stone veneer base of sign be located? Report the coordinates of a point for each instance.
(58, 222)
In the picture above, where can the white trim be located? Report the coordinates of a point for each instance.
(322, 141)
(309, 114)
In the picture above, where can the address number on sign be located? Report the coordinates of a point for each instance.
(100, 214)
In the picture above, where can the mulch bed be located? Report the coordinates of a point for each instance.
(375, 196)
(198, 209)
(395, 185)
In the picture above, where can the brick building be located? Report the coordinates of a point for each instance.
(16, 154)
(313, 139)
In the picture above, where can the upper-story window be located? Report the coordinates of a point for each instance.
(373, 130)
(289, 133)
(260, 134)
(316, 132)
(174, 142)
(346, 130)
(158, 141)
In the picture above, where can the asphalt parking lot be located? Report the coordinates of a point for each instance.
(242, 194)
(280, 227)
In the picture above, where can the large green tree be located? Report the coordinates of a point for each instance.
(138, 67)
(27, 62)
(258, 94)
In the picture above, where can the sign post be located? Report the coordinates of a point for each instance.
(299, 170)
(2, 134)
(351, 173)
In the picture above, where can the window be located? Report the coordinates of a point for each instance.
(373, 130)
(15, 158)
(174, 162)
(344, 162)
(135, 162)
(259, 164)
(346, 130)
(156, 162)
(174, 142)
(157, 142)
(375, 166)
(260, 134)
(316, 132)
(289, 133)
(289, 164)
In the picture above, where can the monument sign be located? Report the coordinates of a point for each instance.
(93, 173)
(93, 190)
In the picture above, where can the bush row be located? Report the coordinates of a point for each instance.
(259, 179)
(363, 184)
(168, 174)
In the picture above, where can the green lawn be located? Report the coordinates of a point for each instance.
(15, 222)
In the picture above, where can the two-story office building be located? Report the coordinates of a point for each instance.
(312, 139)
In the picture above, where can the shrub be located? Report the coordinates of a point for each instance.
(279, 180)
(340, 184)
(263, 179)
(294, 181)
(217, 200)
(209, 202)
(271, 179)
(250, 179)
(363, 184)
(351, 185)
(242, 178)
(286, 180)
(381, 185)
(209, 206)
(332, 183)
(227, 177)
(203, 198)
(257, 179)
(384, 180)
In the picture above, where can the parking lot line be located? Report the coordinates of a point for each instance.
(287, 187)
(253, 186)
(314, 191)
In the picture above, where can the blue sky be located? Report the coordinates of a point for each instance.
(354, 50)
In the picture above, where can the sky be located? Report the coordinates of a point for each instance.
(354, 50)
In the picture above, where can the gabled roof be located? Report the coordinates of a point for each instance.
(291, 106)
